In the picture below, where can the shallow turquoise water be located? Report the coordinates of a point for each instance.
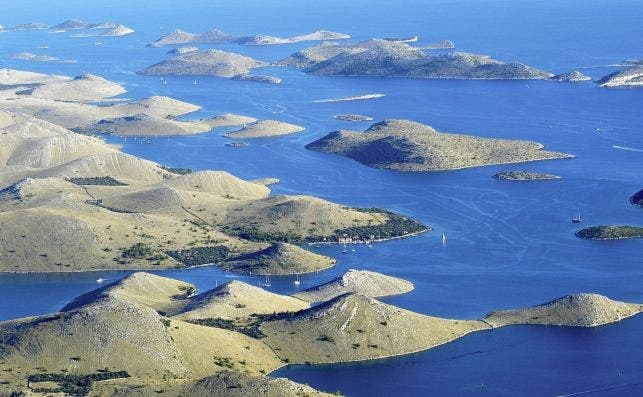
(509, 244)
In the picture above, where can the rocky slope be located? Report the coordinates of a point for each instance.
(264, 129)
(409, 146)
(573, 76)
(632, 77)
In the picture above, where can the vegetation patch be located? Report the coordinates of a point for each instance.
(200, 255)
(75, 385)
(249, 327)
(137, 251)
(610, 232)
(178, 171)
(97, 180)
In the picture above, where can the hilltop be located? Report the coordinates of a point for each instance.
(363, 282)
(377, 57)
(409, 146)
(204, 63)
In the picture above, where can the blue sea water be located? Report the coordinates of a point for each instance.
(508, 244)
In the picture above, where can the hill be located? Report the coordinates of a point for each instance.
(363, 282)
(580, 310)
(353, 327)
(637, 198)
(278, 258)
(409, 146)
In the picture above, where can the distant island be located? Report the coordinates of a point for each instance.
(217, 36)
(151, 333)
(28, 56)
(352, 117)
(204, 63)
(524, 176)
(263, 129)
(629, 78)
(409, 146)
(610, 232)
(377, 57)
(637, 198)
(258, 78)
(573, 76)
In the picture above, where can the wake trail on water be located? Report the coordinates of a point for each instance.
(604, 388)
(629, 149)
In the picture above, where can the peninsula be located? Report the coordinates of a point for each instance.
(409, 146)
(146, 332)
(628, 78)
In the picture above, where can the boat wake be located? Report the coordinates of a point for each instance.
(629, 149)
(274, 109)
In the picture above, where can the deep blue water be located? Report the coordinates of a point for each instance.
(508, 244)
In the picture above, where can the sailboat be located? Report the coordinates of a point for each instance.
(100, 280)
(444, 238)
(576, 218)
(194, 82)
(267, 282)
(297, 282)
(344, 250)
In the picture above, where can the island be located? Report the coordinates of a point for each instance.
(70, 24)
(264, 129)
(353, 117)
(30, 26)
(119, 30)
(182, 50)
(217, 36)
(258, 78)
(573, 76)
(405, 145)
(204, 63)
(629, 78)
(146, 333)
(610, 232)
(637, 198)
(518, 175)
(28, 56)
(377, 57)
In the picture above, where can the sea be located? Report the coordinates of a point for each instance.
(508, 244)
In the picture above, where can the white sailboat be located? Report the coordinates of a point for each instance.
(444, 238)
(266, 283)
(297, 282)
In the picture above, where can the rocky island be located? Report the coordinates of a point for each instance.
(264, 129)
(204, 63)
(573, 76)
(146, 333)
(258, 78)
(384, 58)
(637, 198)
(217, 36)
(610, 232)
(353, 117)
(409, 146)
(28, 56)
(631, 78)
(524, 176)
